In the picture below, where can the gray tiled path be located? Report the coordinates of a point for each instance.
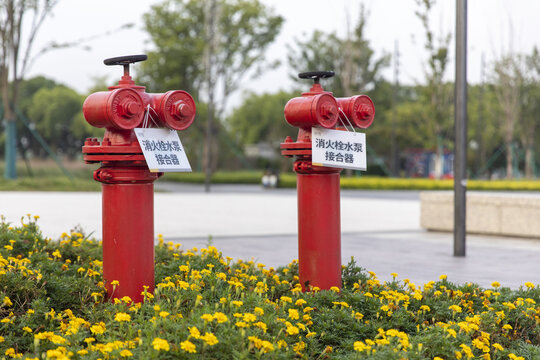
(380, 229)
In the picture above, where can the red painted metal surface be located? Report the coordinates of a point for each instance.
(128, 230)
(128, 190)
(319, 224)
(359, 110)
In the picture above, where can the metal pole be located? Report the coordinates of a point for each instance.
(394, 166)
(460, 111)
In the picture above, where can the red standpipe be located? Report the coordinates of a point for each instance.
(128, 231)
(319, 226)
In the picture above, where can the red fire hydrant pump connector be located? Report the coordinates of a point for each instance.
(319, 228)
(127, 183)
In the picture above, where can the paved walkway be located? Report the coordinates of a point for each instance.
(380, 229)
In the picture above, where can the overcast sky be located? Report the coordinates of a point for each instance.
(495, 26)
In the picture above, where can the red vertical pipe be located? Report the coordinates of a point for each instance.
(319, 230)
(128, 239)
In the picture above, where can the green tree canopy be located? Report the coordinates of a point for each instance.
(244, 30)
(56, 115)
(260, 119)
(352, 58)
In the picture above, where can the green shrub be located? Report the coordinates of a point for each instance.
(52, 305)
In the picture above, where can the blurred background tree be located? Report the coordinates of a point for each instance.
(210, 48)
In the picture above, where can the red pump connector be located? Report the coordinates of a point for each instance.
(359, 110)
(175, 109)
(121, 109)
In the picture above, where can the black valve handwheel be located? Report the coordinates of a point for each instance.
(316, 75)
(125, 60)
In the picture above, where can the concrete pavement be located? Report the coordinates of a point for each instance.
(379, 228)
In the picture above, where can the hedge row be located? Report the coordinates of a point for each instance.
(288, 180)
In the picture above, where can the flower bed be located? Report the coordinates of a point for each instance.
(52, 305)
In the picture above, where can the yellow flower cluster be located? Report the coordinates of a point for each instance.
(206, 299)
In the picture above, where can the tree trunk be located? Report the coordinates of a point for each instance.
(529, 161)
(509, 158)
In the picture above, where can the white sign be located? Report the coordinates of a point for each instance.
(162, 150)
(337, 148)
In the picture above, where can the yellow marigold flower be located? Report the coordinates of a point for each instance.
(10, 352)
(221, 276)
(241, 324)
(286, 299)
(237, 303)
(334, 289)
(497, 346)
(27, 329)
(126, 299)
(292, 330)
(82, 352)
(455, 308)
(509, 305)
(160, 344)
(164, 314)
(438, 358)
(529, 285)
(210, 339)
(126, 353)
(310, 334)
(467, 350)
(452, 332)
(122, 317)
(7, 301)
(194, 332)
(443, 277)
(220, 317)
(2, 339)
(458, 354)
(261, 325)
(258, 311)
(515, 357)
(299, 346)
(425, 308)
(98, 328)
(266, 346)
(188, 346)
(496, 284)
(248, 317)
(207, 317)
(293, 314)
(507, 327)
